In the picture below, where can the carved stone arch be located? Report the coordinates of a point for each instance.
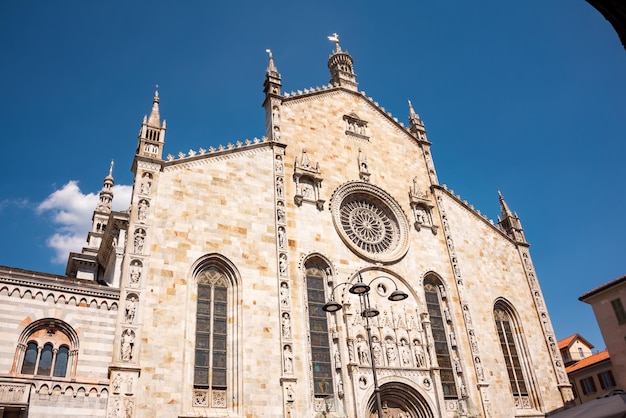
(400, 396)
(220, 262)
(52, 323)
(316, 255)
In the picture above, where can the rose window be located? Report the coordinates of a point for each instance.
(370, 221)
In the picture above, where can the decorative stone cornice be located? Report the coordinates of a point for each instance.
(33, 280)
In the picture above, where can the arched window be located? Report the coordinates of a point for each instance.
(316, 278)
(511, 343)
(440, 336)
(211, 318)
(47, 347)
(216, 377)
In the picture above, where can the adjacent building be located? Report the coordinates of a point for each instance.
(209, 296)
(608, 301)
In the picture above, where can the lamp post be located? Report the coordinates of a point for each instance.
(362, 289)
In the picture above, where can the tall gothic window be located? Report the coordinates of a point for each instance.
(318, 328)
(217, 379)
(510, 343)
(47, 347)
(440, 336)
(211, 335)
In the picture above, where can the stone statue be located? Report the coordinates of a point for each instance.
(361, 348)
(420, 358)
(392, 354)
(284, 294)
(286, 325)
(131, 308)
(288, 356)
(143, 211)
(128, 341)
(117, 383)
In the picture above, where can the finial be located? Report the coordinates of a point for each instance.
(269, 51)
(335, 38)
(111, 168)
(411, 110)
(156, 94)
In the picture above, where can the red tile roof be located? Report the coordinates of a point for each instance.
(566, 342)
(588, 361)
(602, 287)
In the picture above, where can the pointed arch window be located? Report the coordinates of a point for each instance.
(509, 336)
(440, 336)
(318, 330)
(47, 347)
(211, 333)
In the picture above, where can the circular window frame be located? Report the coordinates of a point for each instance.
(375, 201)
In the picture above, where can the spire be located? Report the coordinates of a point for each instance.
(272, 83)
(416, 124)
(341, 67)
(152, 132)
(106, 193)
(504, 208)
(509, 222)
(154, 119)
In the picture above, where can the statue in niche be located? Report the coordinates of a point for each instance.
(479, 368)
(129, 384)
(135, 273)
(142, 211)
(275, 115)
(289, 393)
(281, 237)
(278, 165)
(139, 241)
(146, 183)
(452, 339)
(446, 314)
(288, 356)
(276, 133)
(117, 409)
(284, 294)
(473, 343)
(337, 358)
(420, 358)
(361, 348)
(131, 308)
(457, 365)
(129, 406)
(280, 212)
(117, 383)
(392, 354)
(405, 353)
(128, 341)
(340, 388)
(280, 186)
(282, 264)
(286, 325)
(466, 315)
(377, 351)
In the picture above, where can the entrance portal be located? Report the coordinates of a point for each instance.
(400, 401)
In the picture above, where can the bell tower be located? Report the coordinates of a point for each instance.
(341, 67)
(152, 133)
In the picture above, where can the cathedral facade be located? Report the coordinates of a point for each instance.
(309, 273)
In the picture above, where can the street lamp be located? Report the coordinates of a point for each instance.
(362, 289)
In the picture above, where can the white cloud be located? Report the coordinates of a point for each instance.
(71, 212)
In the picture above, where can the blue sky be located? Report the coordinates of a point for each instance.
(522, 97)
